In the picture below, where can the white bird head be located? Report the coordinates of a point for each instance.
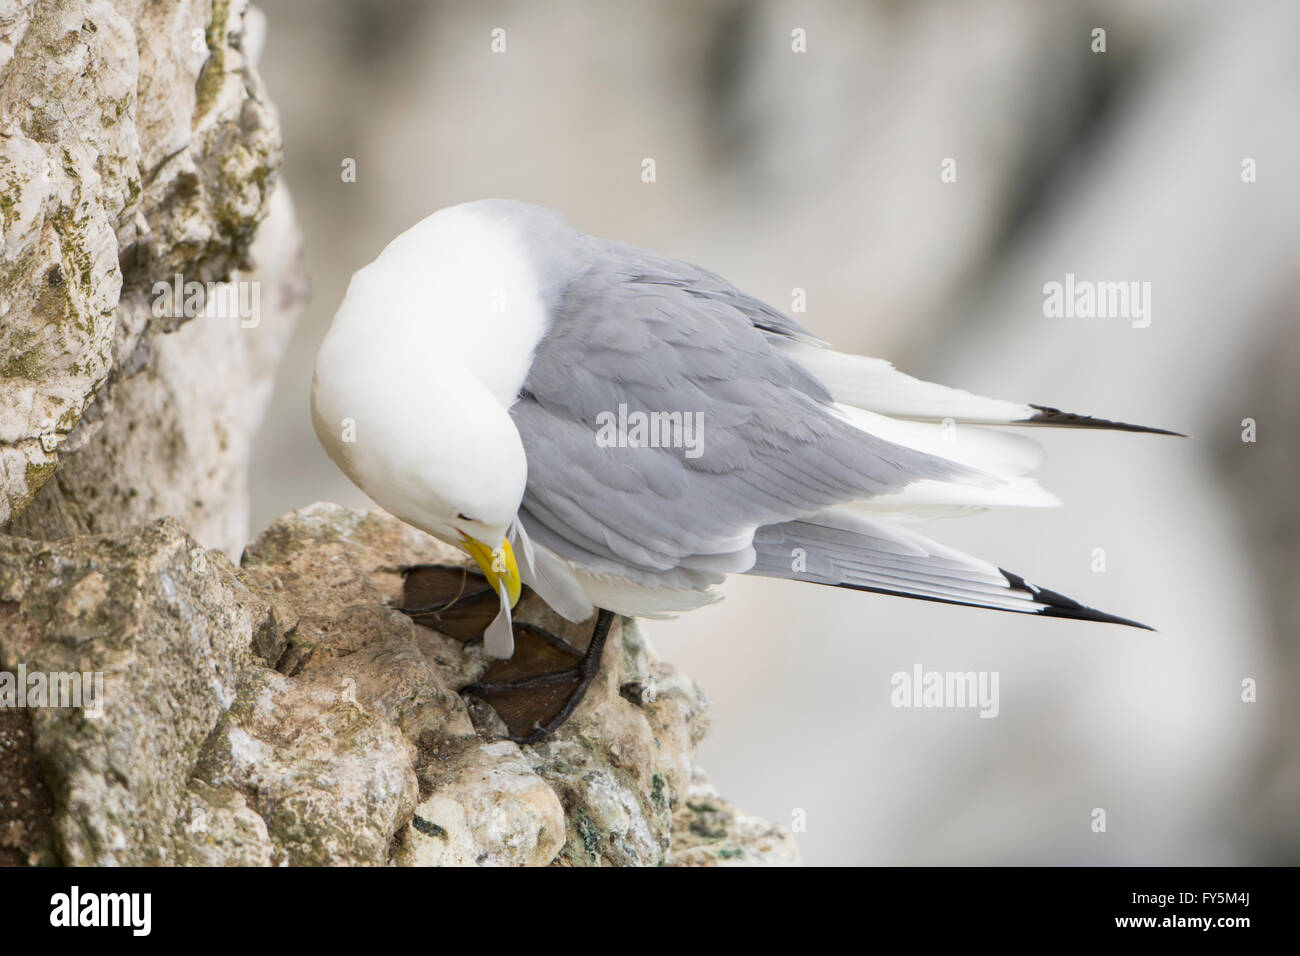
(416, 375)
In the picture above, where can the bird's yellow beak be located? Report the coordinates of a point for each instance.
(498, 566)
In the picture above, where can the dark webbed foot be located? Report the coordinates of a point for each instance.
(449, 598)
(541, 684)
(537, 689)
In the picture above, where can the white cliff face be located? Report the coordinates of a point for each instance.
(139, 153)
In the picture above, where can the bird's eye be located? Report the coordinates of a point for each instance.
(464, 517)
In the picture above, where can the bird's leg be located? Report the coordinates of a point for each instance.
(529, 691)
(539, 686)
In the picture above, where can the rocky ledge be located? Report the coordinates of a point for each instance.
(283, 712)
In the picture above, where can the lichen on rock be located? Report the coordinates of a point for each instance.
(171, 630)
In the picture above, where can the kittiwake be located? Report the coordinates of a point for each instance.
(621, 430)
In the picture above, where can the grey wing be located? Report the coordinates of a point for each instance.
(637, 334)
(847, 550)
(647, 268)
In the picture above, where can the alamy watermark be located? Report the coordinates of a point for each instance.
(130, 910)
(974, 690)
(53, 689)
(638, 429)
(211, 300)
(1085, 299)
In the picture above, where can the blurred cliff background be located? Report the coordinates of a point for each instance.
(822, 171)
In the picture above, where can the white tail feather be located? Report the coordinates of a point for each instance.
(999, 455)
(875, 385)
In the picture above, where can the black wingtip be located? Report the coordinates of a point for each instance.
(1054, 416)
(1058, 605)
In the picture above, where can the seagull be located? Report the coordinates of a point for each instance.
(619, 431)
